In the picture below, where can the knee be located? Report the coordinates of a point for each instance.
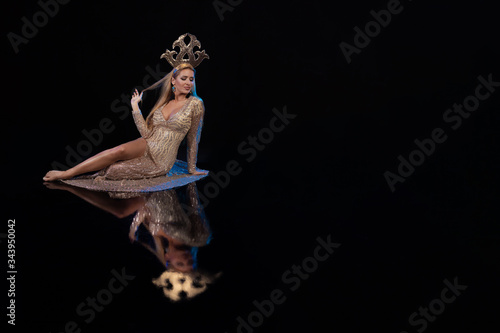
(119, 152)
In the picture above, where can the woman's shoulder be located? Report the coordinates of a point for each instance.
(197, 103)
(197, 100)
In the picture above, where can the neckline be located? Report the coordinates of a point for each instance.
(180, 110)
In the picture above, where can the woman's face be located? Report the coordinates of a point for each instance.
(184, 81)
(180, 259)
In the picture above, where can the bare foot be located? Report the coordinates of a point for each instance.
(56, 175)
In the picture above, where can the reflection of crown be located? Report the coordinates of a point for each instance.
(178, 285)
(185, 49)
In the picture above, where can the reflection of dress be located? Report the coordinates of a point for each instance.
(163, 139)
(177, 215)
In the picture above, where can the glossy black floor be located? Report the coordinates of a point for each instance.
(306, 232)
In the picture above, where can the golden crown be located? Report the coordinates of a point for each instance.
(193, 58)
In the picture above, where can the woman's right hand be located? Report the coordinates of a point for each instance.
(136, 98)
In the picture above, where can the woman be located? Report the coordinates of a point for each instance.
(178, 113)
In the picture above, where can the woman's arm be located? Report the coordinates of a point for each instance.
(193, 135)
(136, 113)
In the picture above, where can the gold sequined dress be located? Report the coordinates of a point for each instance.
(158, 168)
(177, 214)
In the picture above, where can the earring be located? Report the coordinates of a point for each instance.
(173, 88)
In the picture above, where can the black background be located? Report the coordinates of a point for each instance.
(322, 175)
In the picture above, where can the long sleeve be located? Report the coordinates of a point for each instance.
(193, 135)
(140, 123)
(200, 229)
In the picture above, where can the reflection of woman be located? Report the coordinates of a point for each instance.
(175, 230)
(174, 219)
(175, 233)
(178, 113)
(171, 224)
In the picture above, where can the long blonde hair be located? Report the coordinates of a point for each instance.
(166, 93)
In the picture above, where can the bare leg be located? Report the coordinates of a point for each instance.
(118, 207)
(126, 151)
